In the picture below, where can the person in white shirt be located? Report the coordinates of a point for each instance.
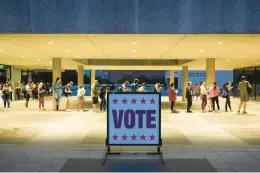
(28, 89)
(81, 95)
(142, 88)
(203, 93)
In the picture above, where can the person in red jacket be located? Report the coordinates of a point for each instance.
(172, 97)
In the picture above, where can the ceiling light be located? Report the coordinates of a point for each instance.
(201, 50)
(243, 65)
(1, 50)
(8, 62)
(134, 43)
(228, 60)
(219, 42)
(39, 60)
(133, 56)
(244, 56)
(77, 56)
(22, 56)
(67, 51)
(50, 62)
(50, 42)
(257, 63)
(133, 50)
(189, 56)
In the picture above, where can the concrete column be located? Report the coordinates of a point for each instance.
(56, 72)
(171, 76)
(93, 77)
(8, 73)
(210, 70)
(185, 81)
(29, 75)
(80, 75)
(15, 77)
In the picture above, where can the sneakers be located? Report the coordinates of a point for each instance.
(8, 109)
(245, 112)
(68, 110)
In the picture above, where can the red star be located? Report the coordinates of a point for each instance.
(124, 101)
(152, 101)
(143, 137)
(115, 101)
(152, 137)
(133, 137)
(143, 101)
(115, 137)
(124, 137)
(133, 101)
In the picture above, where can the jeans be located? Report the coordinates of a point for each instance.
(203, 102)
(103, 104)
(6, 99)
(172, 105)
(215, 100)
(228, 102)
(189, 104)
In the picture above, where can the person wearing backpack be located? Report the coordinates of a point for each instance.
(245, 90)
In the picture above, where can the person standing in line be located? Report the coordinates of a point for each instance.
(28, 89)
(103, 93)
(203, 93)
(196, 91)
(209, 98)
(243, 87)
(6, 96)
(41, 93)
(172, 95)
(157, 87)
(111, 88)
(227, 89)
(57, 91)
(134, 86)
(214, 95)
(142, 88)
(67, 93)
(189, 97)
(94, 95)
(81, 96)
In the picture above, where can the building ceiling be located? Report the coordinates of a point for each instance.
(37, 50)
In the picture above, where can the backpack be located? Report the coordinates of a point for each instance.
(249, 90)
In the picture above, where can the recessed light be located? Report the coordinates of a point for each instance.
(257, 63)
(134, 43)
(243, 65)
(189, 56)
(50, 42)
(22, 56)
(77, 56)
(133, 56)
(201, 50)
(219, 42)
(39, 60)
(8, 62)
(244, 56)
(50, 62)
(133, 50)
(1, 50)
(228, 60)
(67, 51)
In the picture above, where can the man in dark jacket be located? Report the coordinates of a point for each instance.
(189, 97)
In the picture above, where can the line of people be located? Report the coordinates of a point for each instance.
(209, 96)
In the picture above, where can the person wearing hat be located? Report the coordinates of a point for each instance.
(244, 95)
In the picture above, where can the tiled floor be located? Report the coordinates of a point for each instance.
(69, 141)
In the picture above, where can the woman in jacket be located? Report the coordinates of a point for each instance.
(57, 88)
(172, 97)
(214, 96)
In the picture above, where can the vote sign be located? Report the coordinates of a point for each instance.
(134, 119)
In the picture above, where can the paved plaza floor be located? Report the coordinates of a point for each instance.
(75, 141)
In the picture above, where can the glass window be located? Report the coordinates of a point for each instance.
(257, 83)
